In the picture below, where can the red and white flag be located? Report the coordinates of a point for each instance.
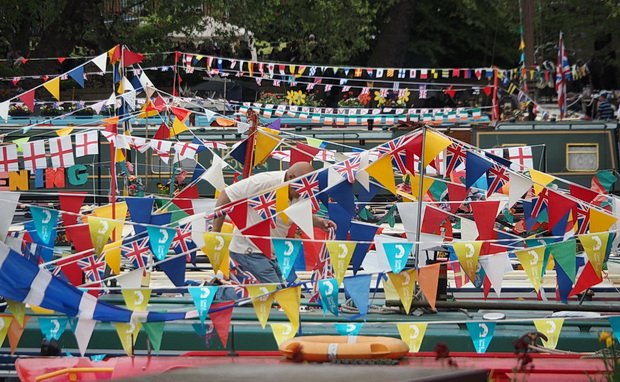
(562, 71)
(61, 151)
(86, 144)
(186, 149)
(8, 158)
(34, 155)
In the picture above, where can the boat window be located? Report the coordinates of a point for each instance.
(581, 157)
(158, 166)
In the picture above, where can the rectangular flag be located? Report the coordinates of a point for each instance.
(34, 155)
(61, 151)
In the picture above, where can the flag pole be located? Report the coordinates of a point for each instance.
(421, 169)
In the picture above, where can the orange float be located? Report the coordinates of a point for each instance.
(329, 348)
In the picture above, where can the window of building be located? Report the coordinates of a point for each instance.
(582, 157)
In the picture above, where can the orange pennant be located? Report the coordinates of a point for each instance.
(427, 279)
(15, 333)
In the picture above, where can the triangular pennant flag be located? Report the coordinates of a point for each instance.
(540, 179)
(264, 145)
(303, 153)
(519, 185)
(301, 214)
(216, 248)
(564, 254)
(600, 221)
(340, 253)
(83, 331)
(283, 332)
(481, 334)
(8, 204)
(64, 132)
(160, 239)
(101, 61)
(28, 98)
(18, 310)
(118, 214)
(174, 268)
(113, 256)
(328, 289)
(550, 327)
(362, 234)
(131, 279)
(558, 207)
(467, 253)
(262, 297)
(5, 324)
(350, 329)
(140, 211)
(595, 246)
(428, 277)
(404, 282)
(136, 299)
(128, 334)
(15, 332)
(100, 231)
(177, 127)
(286, 251)
(155, 331)
(586, 279)
(214, 174)
(290, 299)
(412, 334)
(476, 167)
(485, 213)
(4, 110)
(259, 234)
(397, 254)
(78, 75)
(434, 144)
(130, 58)
(203, 298)
(53, 327)
(532, 262)
(381, 170)
(358, 287)
(494, 268)
(45, 221)
(53, 86)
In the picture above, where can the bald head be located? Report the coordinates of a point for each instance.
(295, 171)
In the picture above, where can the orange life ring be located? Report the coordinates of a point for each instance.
(328, 348)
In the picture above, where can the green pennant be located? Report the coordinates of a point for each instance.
(155, 331)
(177, 214)
(564, 254)
(437, 190)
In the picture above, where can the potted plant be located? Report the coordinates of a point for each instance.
(51, 110)
(19, 111)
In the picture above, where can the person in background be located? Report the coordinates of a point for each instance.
(243, 251)
(604, 110)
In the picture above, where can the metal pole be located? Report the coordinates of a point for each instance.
(418, 232)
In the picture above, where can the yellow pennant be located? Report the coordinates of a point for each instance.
(265, 144)
(64, 132)
(216, 248)
(381, 169)
(467, 253)
(532, 262)
(20, 142)
(412, 334)
(100, 232)
(128, 334)
(177, 127)
(283, 332)
(53, 86)
(39, 310)
(290, 299)
(433, 145)
(18, 310)
(148, 110)
(600, 221)
(415, 185)
(551, 327)
(262, 297)
(5, 323)
(595, 246)
(113, 256)
(282, 202)
(120, 213)
(540, 179)
(120, 156)
(340, 253)
(404, 282)
(314, 142)
(136, 299)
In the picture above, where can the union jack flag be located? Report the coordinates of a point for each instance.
(240, 278)
(265, 205)
(582, 211)
(498, 177)
(93, 267)
(562, 73)
(396, 149)
(322, 269)
(137, 250)
(183, 243)
(348, 168)
(455, 155)
(541, 201)
(308, 187)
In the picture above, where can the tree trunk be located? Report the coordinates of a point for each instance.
(393, 40)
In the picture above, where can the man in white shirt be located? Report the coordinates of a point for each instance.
(242, 250)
